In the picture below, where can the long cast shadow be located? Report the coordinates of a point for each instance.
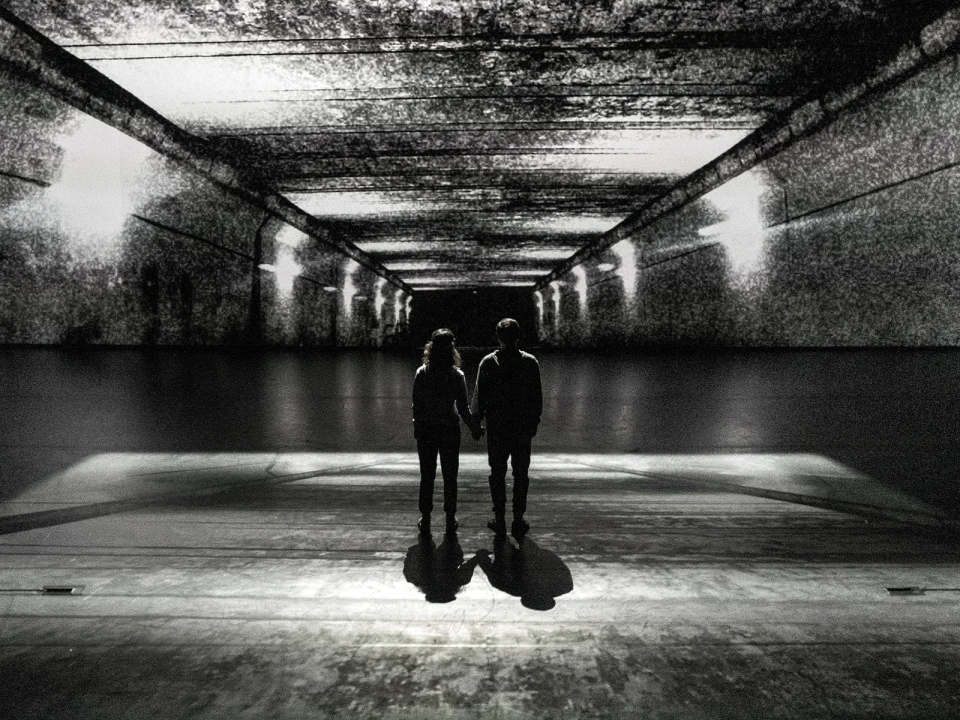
(527, 571)
(439, 572)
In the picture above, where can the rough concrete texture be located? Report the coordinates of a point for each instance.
(505, 142)
(846, 238)
(485, 128)
(709, 540)
(309, 599)
(162, 20)
(103, 241)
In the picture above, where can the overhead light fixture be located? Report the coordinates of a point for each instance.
(267, 267)
(606, 267)
(713, 230)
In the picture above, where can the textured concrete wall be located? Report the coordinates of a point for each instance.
(104, 241)
(850, 237)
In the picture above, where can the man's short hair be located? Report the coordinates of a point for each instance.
(508, 331)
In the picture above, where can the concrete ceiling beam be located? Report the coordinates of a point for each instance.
(929, 44)
(44, 64)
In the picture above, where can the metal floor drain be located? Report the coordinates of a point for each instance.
(60, 590)
(913, 590)
(45, 590)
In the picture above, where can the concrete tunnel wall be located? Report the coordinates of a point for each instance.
(103, 241)
(850, 237)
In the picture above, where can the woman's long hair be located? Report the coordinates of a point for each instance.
(440, 352)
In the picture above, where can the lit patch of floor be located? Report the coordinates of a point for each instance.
(294, 585)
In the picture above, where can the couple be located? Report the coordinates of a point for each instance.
(508, 394)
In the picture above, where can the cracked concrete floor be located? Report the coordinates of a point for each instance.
(296, 587)
(713, 537)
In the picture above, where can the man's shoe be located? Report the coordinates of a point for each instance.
(423, 524)
(519, 527)
(452, 525)
(498, 525)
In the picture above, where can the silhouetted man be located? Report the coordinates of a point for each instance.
(509, 396)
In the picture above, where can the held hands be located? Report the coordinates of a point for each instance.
(478, 433)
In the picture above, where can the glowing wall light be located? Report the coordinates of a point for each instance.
(580, 286)
(627, 271)
(538, 299)
(290, 236)
(349, 286)
(102, 180)
(555, 286)
(287, 270)
(379, 300)
(397, 305)
(409, 306)
(742, 231)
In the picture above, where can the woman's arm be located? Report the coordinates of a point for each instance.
(418, 396)
(463, 405)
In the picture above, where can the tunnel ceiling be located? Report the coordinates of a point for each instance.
(473, 142)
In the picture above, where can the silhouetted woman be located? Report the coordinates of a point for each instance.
(439, 396)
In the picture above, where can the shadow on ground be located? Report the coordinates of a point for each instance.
(526, 570)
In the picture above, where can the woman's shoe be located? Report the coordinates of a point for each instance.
(498, 525)
(423, 524)
(452, 525)
(519, 527)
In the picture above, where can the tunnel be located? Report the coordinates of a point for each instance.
(728, 232)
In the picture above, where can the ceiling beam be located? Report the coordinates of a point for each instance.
(653, 40)
(52, 69)
(927, 46)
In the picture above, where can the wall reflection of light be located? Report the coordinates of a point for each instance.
(379, 299)
(409, 306)
(285, 266)
(397, 305)
(538, 299)
(287, 269)
(285, 400)
(742, 231)
(555, 286)
(101, 182)
(580, 286)
(627, 271)
(349, 286)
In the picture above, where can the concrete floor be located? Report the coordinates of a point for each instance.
(713, 536)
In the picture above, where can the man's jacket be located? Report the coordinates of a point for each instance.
(508, 393)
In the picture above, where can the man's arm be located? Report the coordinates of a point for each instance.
(463, 407)
(538, 391)
(536, 396)
(479, 393)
